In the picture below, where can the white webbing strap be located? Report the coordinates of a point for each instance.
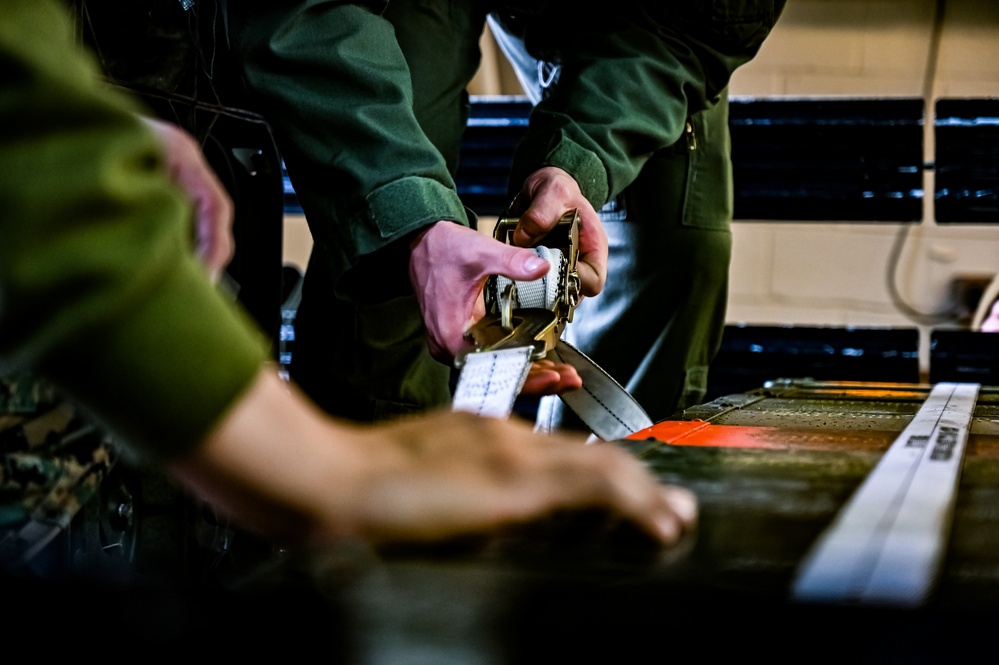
(491, 380)
(887, 543)
(602, 403)
(541, 293)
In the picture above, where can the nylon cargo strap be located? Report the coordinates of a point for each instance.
(885, 547)
(524, 323)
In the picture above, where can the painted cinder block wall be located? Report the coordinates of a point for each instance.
(836, 273)
(809, 273)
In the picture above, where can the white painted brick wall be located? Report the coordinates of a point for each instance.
(835, 274)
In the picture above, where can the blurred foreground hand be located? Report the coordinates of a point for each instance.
(278, 465)
(213, 208)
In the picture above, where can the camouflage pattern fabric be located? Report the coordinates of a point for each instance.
(51, 463)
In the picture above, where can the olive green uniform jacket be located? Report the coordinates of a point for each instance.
(638, 112)
(368, 104)
(100, 291)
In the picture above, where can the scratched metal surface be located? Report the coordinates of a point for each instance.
(762, 508)
(836, 406)
(586, 589)
(589, 589)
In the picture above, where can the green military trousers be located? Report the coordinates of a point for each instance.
(658, 323)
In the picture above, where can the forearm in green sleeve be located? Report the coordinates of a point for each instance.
(628, 84)
(99, 288)
(164, 371)
(331, 80)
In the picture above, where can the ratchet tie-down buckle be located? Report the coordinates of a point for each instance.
(530, 314)
(524, 323)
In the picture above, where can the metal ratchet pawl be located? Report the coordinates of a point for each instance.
(564, 237)
(511, 327)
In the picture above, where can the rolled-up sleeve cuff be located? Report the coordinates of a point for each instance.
(574, 159)
(403, 206)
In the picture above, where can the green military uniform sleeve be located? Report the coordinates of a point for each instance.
(333, 83)
(630, 79)
(99, 288)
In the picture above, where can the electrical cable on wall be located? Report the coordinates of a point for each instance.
(910, 312)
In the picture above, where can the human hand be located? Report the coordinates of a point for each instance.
(448, 267)
(213, 206)
(451, 474)
(546, 195)
(280, 466)
(547, 377)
